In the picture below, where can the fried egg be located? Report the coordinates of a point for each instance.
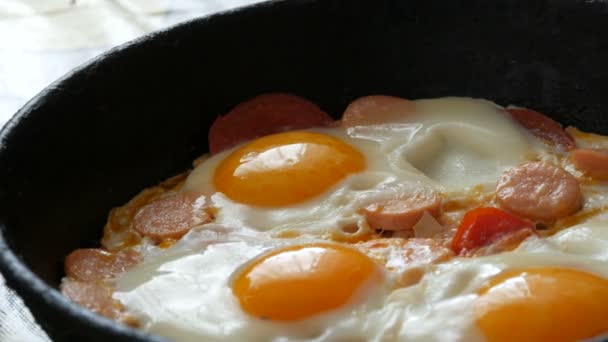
(224, 285)
(282, 248)
(529, 294)
(314, 182)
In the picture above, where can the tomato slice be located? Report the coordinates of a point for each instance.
(482, 226)
(543, 127)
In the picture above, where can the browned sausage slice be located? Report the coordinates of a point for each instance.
(263, 115)
(593, 163)
(376, 109)
(94, 264)
(94, 296)
(171, 217)
(402, 214)
(116, 233)
(543, 127)
(539, 191)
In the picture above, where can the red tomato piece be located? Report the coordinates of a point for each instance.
(482, 226)
(264, 114)
(543, 127)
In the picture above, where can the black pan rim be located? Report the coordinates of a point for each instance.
(18, 275)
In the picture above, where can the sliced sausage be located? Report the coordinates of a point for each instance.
(94, 264)
(376, 109)
(539, 191)
(543, 127)
(403, 213)
(171, 217)
(94, 296)
(116, 233)
(593, 163)
(262, 115)
(120, 218)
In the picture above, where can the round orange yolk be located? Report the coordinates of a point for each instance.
(286, 168)
(299, 282)
(543, 304)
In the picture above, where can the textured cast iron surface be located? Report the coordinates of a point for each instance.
(141, 112)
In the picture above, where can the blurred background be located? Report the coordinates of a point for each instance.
(41, 40)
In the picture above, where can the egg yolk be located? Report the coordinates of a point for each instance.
(299, 282)
(543, 304)
(286, 168)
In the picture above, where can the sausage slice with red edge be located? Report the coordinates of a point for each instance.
(376, 109)
(95, 264)
(263, 115)
(539, 191)
(593, 163)
(543, 127)
(171, 217)
(94, 296)
(402, 214)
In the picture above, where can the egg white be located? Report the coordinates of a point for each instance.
(448, 145)
(334, 212)
(444, 296)
(184, 292)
